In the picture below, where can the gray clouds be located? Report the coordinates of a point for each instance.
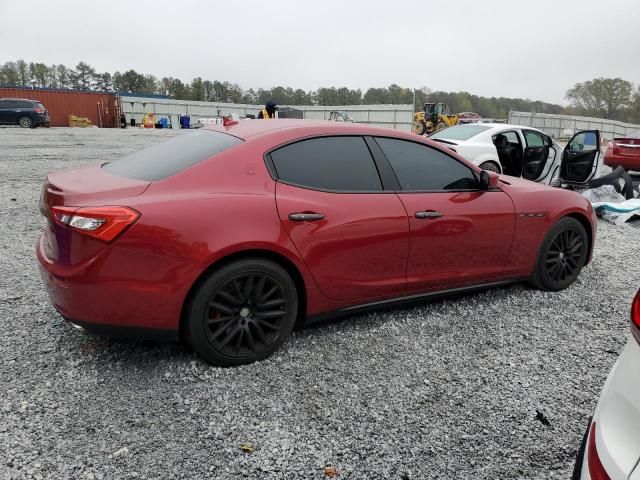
(532, 50)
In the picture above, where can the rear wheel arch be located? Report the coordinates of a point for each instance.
(262, 254)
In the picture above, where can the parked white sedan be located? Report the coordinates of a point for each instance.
(611, 446)
(526, 152)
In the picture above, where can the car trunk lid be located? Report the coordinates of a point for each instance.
(72, 190)
(627, 146)
(88, 186)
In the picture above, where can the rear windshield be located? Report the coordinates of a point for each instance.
(168, 158)
(459, 132)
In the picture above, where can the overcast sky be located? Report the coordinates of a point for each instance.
(530, 49)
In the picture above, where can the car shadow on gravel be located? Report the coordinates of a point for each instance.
(147, 353)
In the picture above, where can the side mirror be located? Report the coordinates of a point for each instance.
(488, 180)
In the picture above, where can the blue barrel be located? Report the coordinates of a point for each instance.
(164, 122)
(185, 121)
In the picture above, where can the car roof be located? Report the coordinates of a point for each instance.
(21, 99)
(255, 127)
(506, 126)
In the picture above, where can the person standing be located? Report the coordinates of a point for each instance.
(269, 110)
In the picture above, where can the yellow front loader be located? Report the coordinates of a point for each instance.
(435, 117)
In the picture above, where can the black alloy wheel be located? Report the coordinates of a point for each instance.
(242, 312)
(561, 256)
(245, 314)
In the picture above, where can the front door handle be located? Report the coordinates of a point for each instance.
(429, 214)
(305, 217)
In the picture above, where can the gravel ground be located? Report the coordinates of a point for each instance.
(448, 389)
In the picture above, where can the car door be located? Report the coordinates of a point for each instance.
(459, 235)
(8, 112)
(538, 155)
(581, 157)
(349, 231)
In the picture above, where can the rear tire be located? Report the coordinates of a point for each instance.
(561, 256)
(490, 166)
(25, 122)
(242, 312)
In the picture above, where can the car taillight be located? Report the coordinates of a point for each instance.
(596, 470)
(38, 110)
(103, 223)
(635, 316)
(609, 148)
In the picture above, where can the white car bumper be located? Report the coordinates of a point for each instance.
(617, 420)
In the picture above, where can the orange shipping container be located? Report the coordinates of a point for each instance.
(101, 108)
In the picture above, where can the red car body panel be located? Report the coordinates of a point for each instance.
(370, 246)
(359, 251)
(445, 252)
(624, 152)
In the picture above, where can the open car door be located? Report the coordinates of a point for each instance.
(538, 157)
(581, 158)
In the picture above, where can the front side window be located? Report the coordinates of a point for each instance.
(328, 163)
(419, 167)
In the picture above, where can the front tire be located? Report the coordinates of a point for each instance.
(441, 126)
(25, 122)
(242, 312)
(420, 128)
(561, 256)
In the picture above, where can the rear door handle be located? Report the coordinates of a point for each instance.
(429, 214)
(305, 217)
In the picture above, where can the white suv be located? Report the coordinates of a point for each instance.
(611, 447)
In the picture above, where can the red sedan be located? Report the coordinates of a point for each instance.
(624, 152)
(228, 237)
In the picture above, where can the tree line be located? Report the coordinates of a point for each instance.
(612, 98)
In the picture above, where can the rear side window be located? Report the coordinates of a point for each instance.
(328, 163)
(24, 104)
(168, 158)
(422, 168)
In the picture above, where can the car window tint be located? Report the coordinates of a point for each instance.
(10, 104)
(585, 141)
(168, 158)
(511, 136)
(534, 139)
(328, 163)
(24, 104)
(420, 167)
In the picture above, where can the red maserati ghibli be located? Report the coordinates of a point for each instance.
(227, 237)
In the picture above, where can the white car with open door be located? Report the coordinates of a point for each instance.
(526, 152)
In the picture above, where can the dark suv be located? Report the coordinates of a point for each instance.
(23, 112)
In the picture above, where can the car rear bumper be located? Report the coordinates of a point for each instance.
(124, 296)
(617, 419)
(629, 162)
